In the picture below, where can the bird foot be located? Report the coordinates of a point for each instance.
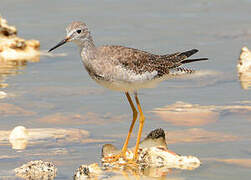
(121, 159)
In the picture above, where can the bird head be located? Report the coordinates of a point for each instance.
(76, 32)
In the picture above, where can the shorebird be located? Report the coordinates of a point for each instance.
(126, 69)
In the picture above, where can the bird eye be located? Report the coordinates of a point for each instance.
(79, 31)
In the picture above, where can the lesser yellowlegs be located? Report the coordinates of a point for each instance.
(126, 69)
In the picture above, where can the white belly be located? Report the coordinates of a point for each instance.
(127, 86)
(134, 86)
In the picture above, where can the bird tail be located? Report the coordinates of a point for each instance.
(189, 53)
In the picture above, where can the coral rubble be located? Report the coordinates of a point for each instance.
(13, 47)
(155, 160)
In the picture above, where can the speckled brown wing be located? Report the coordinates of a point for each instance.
(137, 60)
(140, 61)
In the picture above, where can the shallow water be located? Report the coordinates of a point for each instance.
(56, 92)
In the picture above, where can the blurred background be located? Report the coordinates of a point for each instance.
(56, 91)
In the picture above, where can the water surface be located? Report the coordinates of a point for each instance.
(56, 92)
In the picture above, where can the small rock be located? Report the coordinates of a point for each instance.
(19, 137)
(5, 29)
(244, 64)
(85, 172)
(244, 68)
(161, 157)
(2, 94)
(19, 132)
(15, 48)
(37, 170)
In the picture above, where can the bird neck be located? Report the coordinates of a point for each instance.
(87, 47)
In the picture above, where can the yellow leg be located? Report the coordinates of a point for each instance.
(124, 149)
(135, 113)
(141, 124)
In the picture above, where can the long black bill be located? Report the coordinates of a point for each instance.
(59, 44)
